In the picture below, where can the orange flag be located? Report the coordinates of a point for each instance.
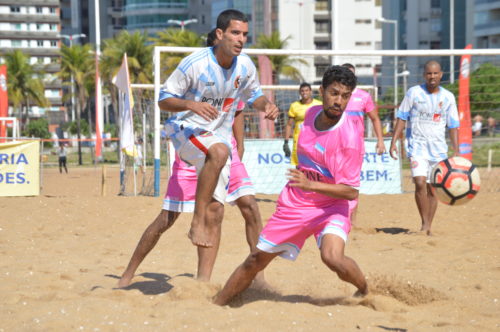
(465, 130)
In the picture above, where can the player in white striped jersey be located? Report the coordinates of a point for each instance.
(428, 109)
(204, 91)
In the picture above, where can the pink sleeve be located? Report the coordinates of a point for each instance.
(346, 167)
(241, 105)
(369, 105)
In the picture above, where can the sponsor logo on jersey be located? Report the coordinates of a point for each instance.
(414, 164)
(209, 83)
(228, 105)
(437, 117)
(215, 102)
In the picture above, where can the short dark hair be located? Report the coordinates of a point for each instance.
(340, 74)
(211, 37)
(349, 65)
(224, 18)
(305, 85)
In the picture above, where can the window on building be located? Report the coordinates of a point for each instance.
(52, 10)
(322, 45)
(15, 9)
(363, 21)
(15, 43)
(39, 43)
(423, 43)
(423, 19)
(435, 3)
(38, 27)
(39, 10)
(202, 19)
(435, 45)
(363, 43)
(320, 70)
(435, 24)
(53, 43)
(53, 27)
(16, 26)
(322, 26)
(321, 5)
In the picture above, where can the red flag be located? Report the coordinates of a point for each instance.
(266, 127)
(4, 101)
(465, 130)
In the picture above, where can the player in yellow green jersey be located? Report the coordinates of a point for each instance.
(296, 115)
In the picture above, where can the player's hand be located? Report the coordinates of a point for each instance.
(380, 148)
(205, 110)
(298, 179)
(393, 151)
(286, 149)
(271, 111)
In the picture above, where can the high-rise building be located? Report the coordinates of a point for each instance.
(33, 26)
(487, 23)
(428, 27)
(332, 25)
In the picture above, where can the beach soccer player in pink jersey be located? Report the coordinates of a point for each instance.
(180, 197)
(361, 103)
(315, 200)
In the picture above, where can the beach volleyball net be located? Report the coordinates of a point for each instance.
(386, 75)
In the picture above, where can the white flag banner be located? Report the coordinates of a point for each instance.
(122, 81)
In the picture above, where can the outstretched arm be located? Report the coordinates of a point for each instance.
(400, 124)
(454, 141)
(173, 104)
(238, 132)
(340, 191)
(377, 127)
(264, 105)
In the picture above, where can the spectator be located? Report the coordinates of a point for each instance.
(492, 123)
(477, 126)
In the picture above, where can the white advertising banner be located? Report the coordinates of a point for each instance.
(266, 165)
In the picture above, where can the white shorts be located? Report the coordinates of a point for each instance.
(422, 167)
(192, 146)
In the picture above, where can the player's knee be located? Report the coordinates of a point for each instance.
(253, 263)
(218, 154)
(332, 259)
(165, 220)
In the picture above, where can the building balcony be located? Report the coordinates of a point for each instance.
(29, 18)
(482, 5)
(16, 34)
(487, 29)
(48, 3)
(33, 51)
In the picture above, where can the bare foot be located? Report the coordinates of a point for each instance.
(360, 293)
(199, 237)
(426, 231)
(124, 281)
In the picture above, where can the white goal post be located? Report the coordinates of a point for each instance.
(296, 53)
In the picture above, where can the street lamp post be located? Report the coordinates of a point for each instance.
(404, 74)
(70, 39)
(395, 22)
(182, 23)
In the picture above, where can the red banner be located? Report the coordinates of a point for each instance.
(4, 101)
(465, 130)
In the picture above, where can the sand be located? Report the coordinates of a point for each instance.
(63, 251)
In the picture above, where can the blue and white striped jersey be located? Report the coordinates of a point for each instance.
(199, 77)
(428, 115)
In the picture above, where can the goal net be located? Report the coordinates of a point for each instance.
(386, 75)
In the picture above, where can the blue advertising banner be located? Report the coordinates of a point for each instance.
(266, 165)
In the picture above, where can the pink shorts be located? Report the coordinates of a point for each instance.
(288, 228)
(181, 190)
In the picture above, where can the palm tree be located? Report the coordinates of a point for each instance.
(281, 64)
(77, 62)
(24, 86)
(140, 61)
(175, 37)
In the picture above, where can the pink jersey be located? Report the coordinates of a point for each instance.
(361, 102)
(333, 156)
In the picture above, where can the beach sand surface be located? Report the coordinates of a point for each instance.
(62, 253)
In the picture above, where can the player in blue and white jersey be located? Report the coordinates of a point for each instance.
(427, 110)
(204, 91)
